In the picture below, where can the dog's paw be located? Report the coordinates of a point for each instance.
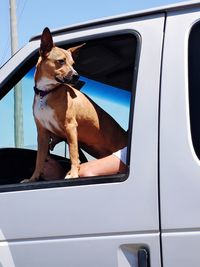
(31, 180)
(71, 175)
(68, 176)
(25, 181)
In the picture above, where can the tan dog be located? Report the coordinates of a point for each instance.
(64, 112)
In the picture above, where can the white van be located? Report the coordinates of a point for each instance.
(143, 68)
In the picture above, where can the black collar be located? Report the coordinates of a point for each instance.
(42, 93)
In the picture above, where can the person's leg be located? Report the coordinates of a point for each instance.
(105, 166)
(53, 170)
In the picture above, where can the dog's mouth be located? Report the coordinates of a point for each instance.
(68, 80)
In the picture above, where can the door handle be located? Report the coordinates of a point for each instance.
(143, 257)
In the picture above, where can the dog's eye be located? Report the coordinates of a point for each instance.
(61, 61)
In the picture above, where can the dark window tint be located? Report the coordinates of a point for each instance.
(194, 86)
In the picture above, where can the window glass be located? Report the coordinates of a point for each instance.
(106, 67)
(29, 133)
(7, 120)
(112, 99)
(194, 85)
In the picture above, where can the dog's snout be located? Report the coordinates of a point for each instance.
(71, 78)
(75, 77)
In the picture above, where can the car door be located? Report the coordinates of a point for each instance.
(98, 221)
(179, 144)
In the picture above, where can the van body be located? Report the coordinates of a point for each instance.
(145, 65)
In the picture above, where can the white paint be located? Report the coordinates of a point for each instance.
(6, 259)
(45, 114)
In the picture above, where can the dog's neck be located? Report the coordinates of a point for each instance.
(45, 84)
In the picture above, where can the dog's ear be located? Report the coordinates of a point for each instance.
(75, 51)
(46, 42)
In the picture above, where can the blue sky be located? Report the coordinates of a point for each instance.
(34, 15)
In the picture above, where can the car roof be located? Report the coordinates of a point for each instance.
(129, 15)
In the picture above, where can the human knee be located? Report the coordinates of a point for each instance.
(85, 171)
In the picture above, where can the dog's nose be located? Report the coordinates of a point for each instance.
(75, 77)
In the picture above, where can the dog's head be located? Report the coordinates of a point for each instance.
(55, 65)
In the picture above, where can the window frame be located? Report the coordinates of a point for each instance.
(26, 66)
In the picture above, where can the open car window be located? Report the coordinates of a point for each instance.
(107, 68)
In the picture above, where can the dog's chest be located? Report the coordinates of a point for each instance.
(45, 114)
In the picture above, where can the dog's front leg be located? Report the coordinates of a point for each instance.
(43, 145)
(72, 139)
